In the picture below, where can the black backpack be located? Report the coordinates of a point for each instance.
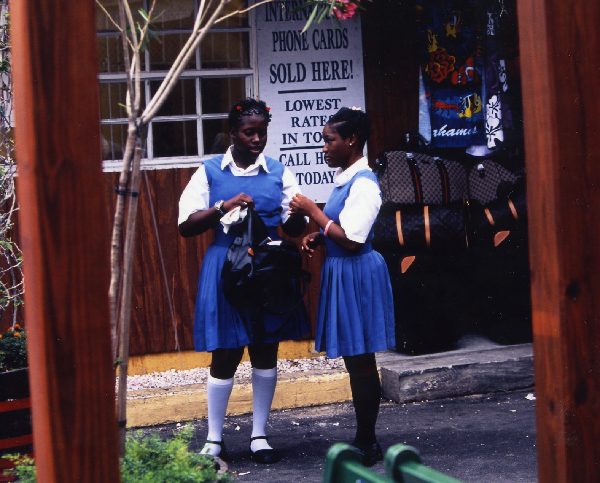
(262, 275)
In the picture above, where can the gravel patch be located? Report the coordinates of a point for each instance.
(173, 378)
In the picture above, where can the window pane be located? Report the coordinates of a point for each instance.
(216, 136)
(218, 95)
(113, 138)
(164, 49)
(235, 20)
(103, 23)
(182, 99)
(221, 50)
(110, 54)
(173, 14)
(175, 139)
(111, 95)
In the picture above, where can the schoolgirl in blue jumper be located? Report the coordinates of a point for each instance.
(355, 317)
(241, 177)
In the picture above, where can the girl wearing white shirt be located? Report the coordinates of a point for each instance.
(356, 313)
(241, 177)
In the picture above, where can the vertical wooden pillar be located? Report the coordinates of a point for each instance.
(64, 242)
(560, 55)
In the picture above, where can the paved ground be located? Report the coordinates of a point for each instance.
(487, 438)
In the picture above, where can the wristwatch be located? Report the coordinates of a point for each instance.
(219, 207)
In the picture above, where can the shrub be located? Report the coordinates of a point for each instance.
(24, 468)
(149, 459)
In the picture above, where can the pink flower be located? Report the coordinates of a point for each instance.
(345, 10)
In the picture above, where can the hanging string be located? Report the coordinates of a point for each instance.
(162, 262)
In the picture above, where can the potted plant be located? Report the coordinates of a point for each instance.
(13, 363)
(15, 412)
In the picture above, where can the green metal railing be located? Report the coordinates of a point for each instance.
(402, 465)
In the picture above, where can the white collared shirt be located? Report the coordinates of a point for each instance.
(195, 196)
(363, 202)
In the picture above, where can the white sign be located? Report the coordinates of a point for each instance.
(305, 78)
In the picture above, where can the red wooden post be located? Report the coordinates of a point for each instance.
(64, 240)
(560, 62)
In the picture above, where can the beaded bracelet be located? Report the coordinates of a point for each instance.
(326, 229)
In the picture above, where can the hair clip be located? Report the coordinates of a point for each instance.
(268, 108)
(354, 108)
(238, 107)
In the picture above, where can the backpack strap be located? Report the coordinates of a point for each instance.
(416, 178)
(385, 170)
(444, 178)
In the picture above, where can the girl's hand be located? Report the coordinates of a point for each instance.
(302, 205)
(310, 242)
(243, 200)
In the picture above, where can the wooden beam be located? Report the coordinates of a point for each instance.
(64, 242)
(560, 64)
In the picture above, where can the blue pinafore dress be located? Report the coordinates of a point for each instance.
(218, 325)
(356, 308)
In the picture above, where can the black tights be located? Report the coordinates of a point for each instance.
(366, 394)
(225, 361)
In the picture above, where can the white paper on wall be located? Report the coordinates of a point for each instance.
(305, 78)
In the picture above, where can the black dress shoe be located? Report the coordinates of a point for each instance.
(370, 453)
(264, 456)
(223, 454)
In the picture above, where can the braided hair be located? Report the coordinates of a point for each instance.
(347, 122)
(248, 107)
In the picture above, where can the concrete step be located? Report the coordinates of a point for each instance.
(472, 370)
(477, 368)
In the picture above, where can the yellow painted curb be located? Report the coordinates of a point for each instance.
(184, 403)
(180, 361)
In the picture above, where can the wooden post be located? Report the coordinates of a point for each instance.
(560, 59)
(65, 245)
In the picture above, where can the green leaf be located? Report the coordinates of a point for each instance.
(324, 13)
(313, 14)
(331, 7)
(144, 15)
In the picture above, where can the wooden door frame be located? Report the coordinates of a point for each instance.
(559, 44)
(65, 245)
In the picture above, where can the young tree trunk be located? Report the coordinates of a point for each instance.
(124, 313)
(117, 233)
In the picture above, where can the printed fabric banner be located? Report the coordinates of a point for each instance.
(501, 25)
(305, 78)
(452, 69)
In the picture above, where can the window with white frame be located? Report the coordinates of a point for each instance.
(193, 120)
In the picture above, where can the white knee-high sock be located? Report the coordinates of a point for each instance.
(219, 391)
(263, 388)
